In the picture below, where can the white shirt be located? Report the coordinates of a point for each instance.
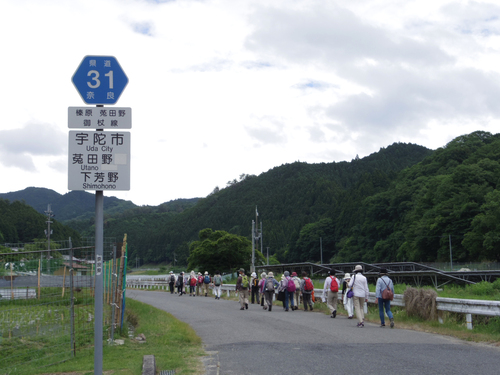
(326, 287)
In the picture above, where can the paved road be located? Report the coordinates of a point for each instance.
(255, 341)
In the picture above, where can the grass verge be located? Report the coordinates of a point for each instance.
(174, 344)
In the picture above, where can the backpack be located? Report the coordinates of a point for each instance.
(200, 279)
(255, 282)
(308, 285)
(334, 285)
(206, 280)
(172, 278)
(192, 282)
(291, 285)
(296, 280)
(270, 285)
(244, 281)
(217, 280)
(387, 293)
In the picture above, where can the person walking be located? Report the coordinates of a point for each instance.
(199, 284)
(254, 282)
(180, 283)
(242, 285)
(206, 283)
(262, 284)
(331, 293)
(171, 282)
(192, 283)
(359, 286)
(306, 287)
(269, 287)
(281, 290)
(296, 295)
(348, 304)
(384, 282)
(217, 283)
(289, 292)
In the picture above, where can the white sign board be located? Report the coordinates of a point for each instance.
(99, 160)
(99, 118)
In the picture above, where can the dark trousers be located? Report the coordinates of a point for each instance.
(255, 294)
(171, 285)
(306, 298)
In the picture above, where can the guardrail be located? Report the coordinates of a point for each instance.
(468, 307)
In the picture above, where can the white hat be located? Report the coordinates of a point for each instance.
(270, 274)
(171, 271)
(347, 276)
(206, 273)
(358, 268)
(254, 274)
(263, 275)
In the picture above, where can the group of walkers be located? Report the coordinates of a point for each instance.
(291, 288)
(197, 284)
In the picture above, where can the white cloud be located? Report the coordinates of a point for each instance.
(221, 88)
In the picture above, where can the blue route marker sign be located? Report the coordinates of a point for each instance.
(100, 79)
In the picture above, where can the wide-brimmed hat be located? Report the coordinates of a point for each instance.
(254, 274)
(383, 271)
(294, 273)
(347, 276)
(263, 275)
(358, 268)
(270, 274)
(206, 272)
(241, 270)
(171, 272)
(287, 273)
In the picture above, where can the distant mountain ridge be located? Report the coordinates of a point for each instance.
(72, 205)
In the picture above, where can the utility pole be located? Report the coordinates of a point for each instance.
(48, 232)
(267, 255)
(451, 255)
(321, 248)
(255, 236)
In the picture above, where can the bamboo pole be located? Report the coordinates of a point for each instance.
(104, 281)
(39, 265)
(119, 292)
(110, 276)
(11, 282)
(64, 281)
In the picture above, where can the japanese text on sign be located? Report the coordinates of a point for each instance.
(100, 118)
(98, 265)
(99, 160)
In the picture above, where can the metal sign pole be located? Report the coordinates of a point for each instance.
(99, 281)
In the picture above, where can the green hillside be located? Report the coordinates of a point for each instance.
(20, 223)
(72, 205)
(288, 198)
(403, 203)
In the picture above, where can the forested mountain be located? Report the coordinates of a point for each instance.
(20, 223)
(403, 203)
(288, 198)
(72, 205)
(451, 196)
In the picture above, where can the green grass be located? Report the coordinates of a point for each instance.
(174, 344)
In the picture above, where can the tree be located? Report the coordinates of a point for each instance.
(221, 250)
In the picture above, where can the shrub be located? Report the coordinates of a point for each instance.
(421, 303)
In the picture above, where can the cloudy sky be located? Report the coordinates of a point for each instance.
(228, 87)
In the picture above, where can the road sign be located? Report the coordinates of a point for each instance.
(100, 117)
(99, 160)
(100, 80)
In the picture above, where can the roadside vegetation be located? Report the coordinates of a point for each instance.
(174, 344)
